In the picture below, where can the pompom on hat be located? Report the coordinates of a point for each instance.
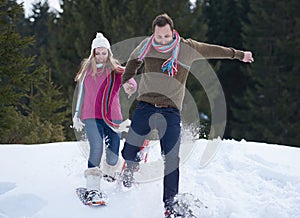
(100, 41)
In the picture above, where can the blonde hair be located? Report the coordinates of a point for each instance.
(90, 62)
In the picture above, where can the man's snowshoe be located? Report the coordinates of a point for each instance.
(170, 209)
(185, 205)
(170, 213)
(127, 176)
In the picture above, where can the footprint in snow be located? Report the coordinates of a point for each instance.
(6, 186)
(23, 205)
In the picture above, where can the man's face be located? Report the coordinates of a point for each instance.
(163, 35)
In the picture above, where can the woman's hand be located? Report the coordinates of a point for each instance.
(77, 123)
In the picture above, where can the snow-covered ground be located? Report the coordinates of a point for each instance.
(245, 179)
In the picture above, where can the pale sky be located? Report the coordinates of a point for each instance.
(28, 5)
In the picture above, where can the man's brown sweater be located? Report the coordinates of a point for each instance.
(157, 87)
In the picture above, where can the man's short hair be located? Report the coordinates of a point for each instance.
(161, 20)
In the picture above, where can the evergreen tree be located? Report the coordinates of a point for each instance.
(73, 32)
(224, 19)
(47, 101)
(134, 18)
(269, 111)
(13, 64)
(17, 70)
(38, 25)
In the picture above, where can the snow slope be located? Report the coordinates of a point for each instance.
(245, 179)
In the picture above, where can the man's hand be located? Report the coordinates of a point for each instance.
(248, 57)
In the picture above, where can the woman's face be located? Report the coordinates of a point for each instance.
(163, 35)
(101, 55)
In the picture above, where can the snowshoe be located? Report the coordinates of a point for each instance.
(127, 176)
(170, 209)
(185, 205)
(109, 178)
(95, 197)
(170, 213)
(91, 198)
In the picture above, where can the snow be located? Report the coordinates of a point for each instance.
(245, 179)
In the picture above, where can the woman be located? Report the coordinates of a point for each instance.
(98, 110)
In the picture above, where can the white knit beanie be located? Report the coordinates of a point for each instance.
(100, 41)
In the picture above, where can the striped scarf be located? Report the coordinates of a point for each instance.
(170, 65)
(107, 96)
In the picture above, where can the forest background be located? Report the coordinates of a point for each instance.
(41, 53)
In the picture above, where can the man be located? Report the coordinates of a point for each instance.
(167, 58)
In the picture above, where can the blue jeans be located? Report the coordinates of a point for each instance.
(98, 133)
(167, 121)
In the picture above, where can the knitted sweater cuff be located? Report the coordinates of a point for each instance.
(237, 54)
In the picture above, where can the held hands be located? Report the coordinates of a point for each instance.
(129, 88)
(124, 126)
(248, 57)
(77, 123)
